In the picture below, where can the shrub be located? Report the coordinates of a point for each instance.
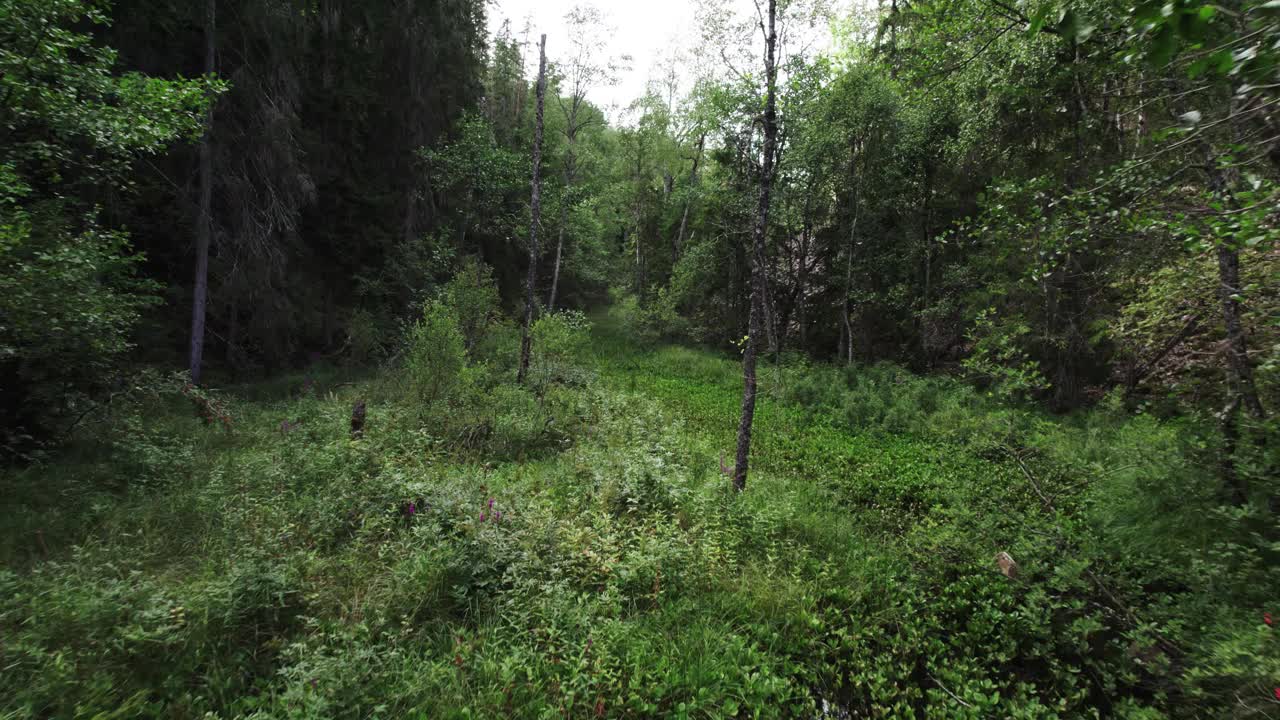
(558, 338)
(472, 295)
(654, 321)
(365, 336)
(435, 354)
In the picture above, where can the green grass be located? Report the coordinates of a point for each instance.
(173, 570)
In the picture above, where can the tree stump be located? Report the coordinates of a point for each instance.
(357, 420)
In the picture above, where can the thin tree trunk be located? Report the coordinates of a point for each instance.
(1237, 345)
(204, 223)
(535, 209)
(555, 274)
(570, 171)
(684, 218)
(757, 251)
(1243, 391)
(848, 280)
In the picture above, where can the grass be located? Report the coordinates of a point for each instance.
(174, 570)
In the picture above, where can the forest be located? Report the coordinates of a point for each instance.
(906, 359)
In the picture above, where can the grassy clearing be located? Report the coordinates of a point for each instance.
(574, 551)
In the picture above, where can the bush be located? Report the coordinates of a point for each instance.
(655, 321)
(434, 355)
(558, 338)
(472, 295)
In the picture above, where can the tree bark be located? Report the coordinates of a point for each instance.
(758, 254)
(1237, 345)
(570, 173)
(848, 280)
(1242, 392)
(535, 210)
(204, 223)
(684, 217)
(555, 274)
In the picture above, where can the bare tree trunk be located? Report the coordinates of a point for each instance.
(802, 300)
(848, 280)
(204, 223)
(1237, 345)
(757, 251)
(570, 172)
(555, 274)
(1243, 392)
(535, 209)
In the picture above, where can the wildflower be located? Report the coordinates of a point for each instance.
(1278, 693)
(413, 509)
(497, 517)
(1266, 618)
(482, 517)
(490, 503)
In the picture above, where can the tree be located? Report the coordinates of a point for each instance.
(585, 68)
(71, 127)
(758, 247)
(535, 214)
(204, 223)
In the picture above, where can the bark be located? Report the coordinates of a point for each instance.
(555, 274)
(758, 256)
(1243, 392)
(570, 174)
(684, 217)
(1139, 372)
(204, 223)
(535, 209)
(848, 281)
(1237, 345)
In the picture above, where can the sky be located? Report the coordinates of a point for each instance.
(645, 30)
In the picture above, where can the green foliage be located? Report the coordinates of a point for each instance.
(656, 321)
(584, 554)
(1000, 358)
(435, 355)
(472, 295)
(558, 339)
(72, 127)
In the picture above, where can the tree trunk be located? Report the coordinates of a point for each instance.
(1237, 346)
(570, 172)
(535, 209)
(555, 274)
(757, 251)
(684, 218)
(848, 280)
(204, 223)
(1243, 392)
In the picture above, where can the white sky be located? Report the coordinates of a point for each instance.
(647, 30)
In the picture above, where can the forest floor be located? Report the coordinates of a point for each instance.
(578, 552)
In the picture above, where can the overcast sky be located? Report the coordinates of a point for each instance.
(647, 30)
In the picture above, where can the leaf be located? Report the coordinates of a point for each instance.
(1163, 46)
(1038, 19)
(1197, 68)
(1191, 118)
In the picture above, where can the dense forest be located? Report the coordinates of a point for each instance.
(907, 360)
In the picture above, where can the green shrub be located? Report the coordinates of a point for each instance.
(434, 355)
(472, 295)
(655, 321)
(558, 340)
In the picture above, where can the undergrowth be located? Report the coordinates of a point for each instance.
(572, 548)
